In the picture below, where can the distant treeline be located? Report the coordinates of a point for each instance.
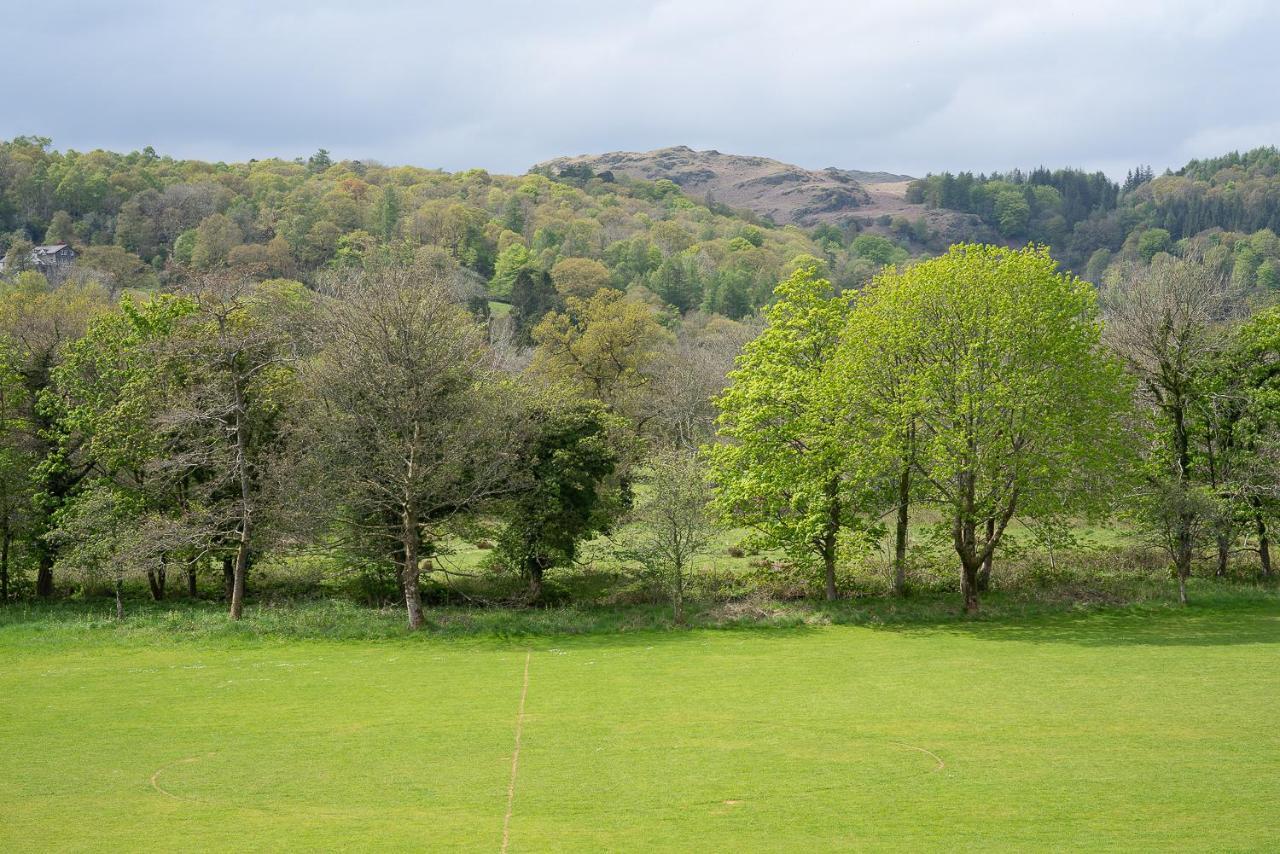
(1228, 207)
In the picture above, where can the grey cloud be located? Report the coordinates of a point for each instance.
(877, 85)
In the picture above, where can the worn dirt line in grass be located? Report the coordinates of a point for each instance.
(930, 753)
(155, 778)
(515, 756)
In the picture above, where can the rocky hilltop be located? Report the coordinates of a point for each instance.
(780, 191)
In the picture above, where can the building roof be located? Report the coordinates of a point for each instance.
(51, 248)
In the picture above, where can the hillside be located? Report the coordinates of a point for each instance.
(139, 219)
(778, 191)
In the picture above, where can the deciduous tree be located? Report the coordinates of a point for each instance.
(674, 525)
(780, 468)
(1163, 322)
(410, 424)
(569, 483)
(1012, 406)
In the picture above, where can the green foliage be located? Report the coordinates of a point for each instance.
(1214, 202)
(673, 527)
(605, 347)
(512, 261)
(113, 381)
(987, 363)
(569, 489)
(1013, 212)
(879, 249)
(779, 470)
(1044, 206)
(1152, 242)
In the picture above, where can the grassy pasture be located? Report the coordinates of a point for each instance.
(1137, 730)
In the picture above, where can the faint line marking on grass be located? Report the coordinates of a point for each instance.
(930, 753)
(155, 778)
(515, 756)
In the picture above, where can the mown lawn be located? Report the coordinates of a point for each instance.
(1107, 730)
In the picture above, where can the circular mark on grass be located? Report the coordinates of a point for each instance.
(155, 778)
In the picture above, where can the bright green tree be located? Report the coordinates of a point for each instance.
(673, 526)
(1152, 242)
(1012, 405)
(880, 250)
(17, 462)
(111, 388)
(1252, 368)
(866, 390)
(780, 468)
(39, 321)
(512, 261)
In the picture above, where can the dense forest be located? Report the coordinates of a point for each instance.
(136, 214)
(1227, 208)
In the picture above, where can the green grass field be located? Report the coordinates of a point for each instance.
(1108, 730)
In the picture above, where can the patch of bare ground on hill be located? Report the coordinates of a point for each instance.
(889, 198)
(781, 192)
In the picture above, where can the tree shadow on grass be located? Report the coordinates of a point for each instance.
(1208, 625)
(1218, 618)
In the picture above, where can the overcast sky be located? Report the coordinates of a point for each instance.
(900, 85)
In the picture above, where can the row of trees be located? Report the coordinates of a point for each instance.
(375, 416)
(1043, 205)
(372, 417)
(980, 387)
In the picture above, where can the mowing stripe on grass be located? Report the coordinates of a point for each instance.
(515, 756)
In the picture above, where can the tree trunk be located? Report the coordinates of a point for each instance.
(1185, 548)
(964, 536)
(191, 582)
(44, 576)
(119, 600)
(900, 532)
(155, 580)
(246, 514)
(228, 576)
(984, 574)
(969, 586)
(829, 541)
(678, 599)
(238, 574)
(534, 568)
(1224, 554)
(1264, 545)
(5, 537)
(829, 571)
(1186, 519)
(412, 592)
